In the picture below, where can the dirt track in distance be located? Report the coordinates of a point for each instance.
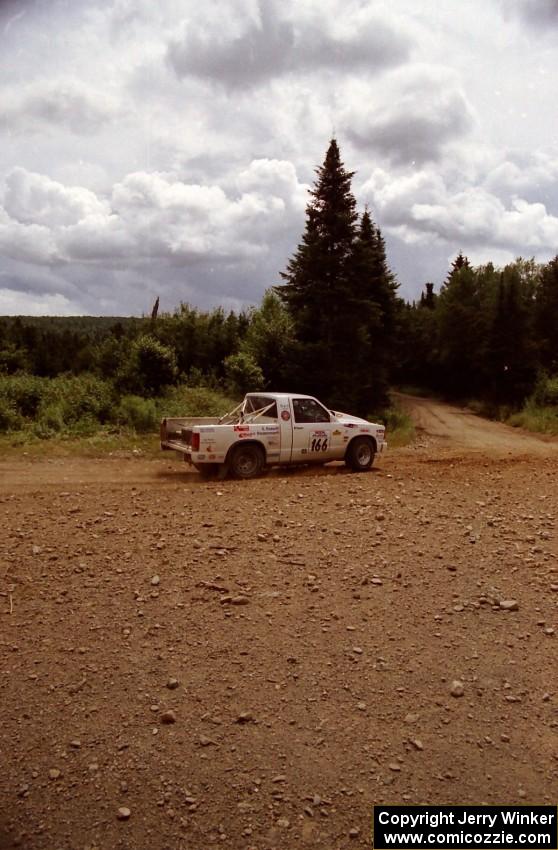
(457, 428)
(305, 630)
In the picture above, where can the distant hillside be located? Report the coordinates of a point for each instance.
(89, 326)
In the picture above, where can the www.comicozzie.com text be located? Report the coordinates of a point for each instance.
(436, 819)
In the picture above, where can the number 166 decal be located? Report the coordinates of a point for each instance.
(319, 441)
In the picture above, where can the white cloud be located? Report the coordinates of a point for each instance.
(147, 215)
(36, 199)
(14, 303)
(422, 205)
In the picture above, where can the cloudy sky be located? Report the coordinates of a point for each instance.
(166, 148)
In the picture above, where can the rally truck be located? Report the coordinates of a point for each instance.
(273, 429)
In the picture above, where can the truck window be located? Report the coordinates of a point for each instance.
(309, 410)
(254, 403)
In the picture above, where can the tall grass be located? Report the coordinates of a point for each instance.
(400, 430)
(543, 420)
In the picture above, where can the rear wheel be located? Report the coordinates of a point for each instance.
(246, 461)
(360, 454)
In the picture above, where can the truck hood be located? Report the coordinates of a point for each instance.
(347, 419)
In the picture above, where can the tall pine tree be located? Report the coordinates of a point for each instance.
(339, 296)
(318, 275)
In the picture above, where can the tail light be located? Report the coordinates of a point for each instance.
(195, 442)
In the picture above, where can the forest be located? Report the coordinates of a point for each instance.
(334, 326)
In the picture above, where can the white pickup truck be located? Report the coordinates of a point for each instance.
(270, 429)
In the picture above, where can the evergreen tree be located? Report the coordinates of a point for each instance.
(461, 329)
(510, 360)
(428, 298)
(319, 276)
(374, 300)
(546, 316)
(340, 296)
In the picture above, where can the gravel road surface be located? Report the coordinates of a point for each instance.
(191, 664)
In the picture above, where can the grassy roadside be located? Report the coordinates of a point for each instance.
(541, 420)
(26, 445)
(400, 430)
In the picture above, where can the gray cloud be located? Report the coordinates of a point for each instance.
(181, 170)
(419, 111)
(64, 103)
(273, 45)
(537, 13)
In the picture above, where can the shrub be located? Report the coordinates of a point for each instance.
(85, 397)
(24, 392)
(50, 421)
(546, 391)
(138, 413)
(543, 420)
(150, 367)
(195, 401)
(399, 426)
(243, 373)
(54, 405)
(10, 420)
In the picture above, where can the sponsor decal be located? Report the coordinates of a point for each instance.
(337, 433)
(351, 425)
(304, 451)
(201, 457)
(318, 441)
(211, 457)
(206, 430)
(241, 428)
(285, 415)
(273, 442)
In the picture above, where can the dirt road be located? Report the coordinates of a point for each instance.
(303, 630)
(456, 428)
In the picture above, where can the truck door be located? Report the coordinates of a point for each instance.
(312, 431)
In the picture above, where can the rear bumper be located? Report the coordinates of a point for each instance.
(177, 446)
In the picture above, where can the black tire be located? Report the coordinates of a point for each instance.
(246, 461)
(207, 470)
(360, 454)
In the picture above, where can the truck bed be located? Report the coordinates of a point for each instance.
(176, 431)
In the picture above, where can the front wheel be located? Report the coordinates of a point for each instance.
(360, 454)
(246, 461)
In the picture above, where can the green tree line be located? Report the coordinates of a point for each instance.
(489, 334)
